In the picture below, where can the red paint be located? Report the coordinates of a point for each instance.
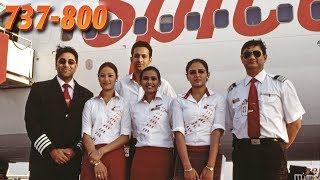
(178, 24)
(239, 22)
(125, 12)
(304, 16)
(207, 27)
(4, 40)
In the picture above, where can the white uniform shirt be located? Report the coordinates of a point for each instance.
(106, 122)
(196, 120)
(132, 92)
(278, 105)
(151, 123)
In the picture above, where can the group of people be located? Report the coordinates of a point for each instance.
(171, 137)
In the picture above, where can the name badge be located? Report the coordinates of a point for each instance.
(116, 108)
(156, 108)
(244, 108)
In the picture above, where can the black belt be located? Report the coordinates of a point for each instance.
(260, 141)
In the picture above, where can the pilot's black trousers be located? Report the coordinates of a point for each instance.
(260, 162)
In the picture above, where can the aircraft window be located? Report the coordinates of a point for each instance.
(115, 28)
(315, 10)
(91, 33)
(221, 18)
(285, 13)
(166, 23)
(66, 35)
(193, 21)
(140, 25)
(253, 15)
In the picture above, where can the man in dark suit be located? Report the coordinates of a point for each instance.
(53, 121)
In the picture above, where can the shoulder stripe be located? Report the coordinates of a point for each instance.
(232, 86)
(280, 78)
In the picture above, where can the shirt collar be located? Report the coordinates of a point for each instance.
(115, 94)
(131, 78)
(207, 93)
(158, 95)
(61, 82)
(259, 77)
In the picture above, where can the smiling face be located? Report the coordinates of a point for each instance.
(197, 75)
(253, 60)
(107, 78)
(66, 66)
(140, 59)
(150, 82)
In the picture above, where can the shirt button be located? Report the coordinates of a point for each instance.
(66, 115)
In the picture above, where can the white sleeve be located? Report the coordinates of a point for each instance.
(229, 114)
(219, 117)
(177, 117)
(125, 121)
(292, 107)
(87, 123)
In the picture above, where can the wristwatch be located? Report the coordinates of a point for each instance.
(210, 168)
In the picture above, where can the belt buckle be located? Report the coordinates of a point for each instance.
(255, 141)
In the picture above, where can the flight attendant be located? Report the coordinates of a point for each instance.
(106, 127)
(198, 124)
(151, 124)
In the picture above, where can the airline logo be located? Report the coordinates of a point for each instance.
(126, 12)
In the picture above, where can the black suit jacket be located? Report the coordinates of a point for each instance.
(51, 124)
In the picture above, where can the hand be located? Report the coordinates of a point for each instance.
(206, 174)
(95, 156)
(100, 171)
(69, 152)
(59, 156)
(191, 175)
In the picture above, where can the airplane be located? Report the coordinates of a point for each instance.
(213, 30)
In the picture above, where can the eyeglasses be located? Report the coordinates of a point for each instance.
(247, 54)
(63, 61)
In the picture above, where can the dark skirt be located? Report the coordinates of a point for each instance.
(198, 156)
(114, 161)
(154, 163)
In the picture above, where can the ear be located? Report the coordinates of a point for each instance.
(265, 56)
(150, 59)
(131, 59)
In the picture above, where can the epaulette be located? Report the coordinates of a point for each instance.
(232, 86)
(280, 78)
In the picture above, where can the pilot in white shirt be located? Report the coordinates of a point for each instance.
(264, 114)
(278, 101)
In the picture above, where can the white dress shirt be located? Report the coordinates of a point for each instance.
(152, 122)
(131, 91)
(106, 122)
(279, 105)
(196, 120)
